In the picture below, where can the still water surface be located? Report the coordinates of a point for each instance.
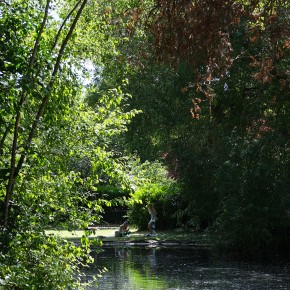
(134, 268)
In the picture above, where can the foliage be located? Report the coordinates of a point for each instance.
(58, 185)
(55, 150)
(200, 31)
(152, 185)
(221, 90)
(37, 261)
(212, 81)
(254, 212)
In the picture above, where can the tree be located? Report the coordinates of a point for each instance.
(240, 70)
(44, 90)
(214, 89)
(55, 148)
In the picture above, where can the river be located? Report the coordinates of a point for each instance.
(137, 268)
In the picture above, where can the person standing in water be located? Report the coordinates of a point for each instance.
(153, 218)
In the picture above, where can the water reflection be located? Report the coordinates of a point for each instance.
(171, 268)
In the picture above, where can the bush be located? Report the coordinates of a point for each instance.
(162, 196)
(37, 261)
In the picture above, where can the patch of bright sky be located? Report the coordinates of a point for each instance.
(90, 72)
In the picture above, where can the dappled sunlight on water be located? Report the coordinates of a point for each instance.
(172, 268)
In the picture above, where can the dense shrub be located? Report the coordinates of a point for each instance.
(162, 196)
(54, 262)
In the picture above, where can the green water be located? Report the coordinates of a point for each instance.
(172, 268)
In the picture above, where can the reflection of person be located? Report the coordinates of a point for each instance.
(153, 218)
(123, 253)
(152, 258)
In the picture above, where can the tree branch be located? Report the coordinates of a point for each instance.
(33, 55)
(48, 89)
(63, 23)
(7, 130)
(12, 175)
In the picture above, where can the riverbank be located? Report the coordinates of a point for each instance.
(177, 237)
(169, 238)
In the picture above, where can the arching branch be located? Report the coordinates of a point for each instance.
(63, 24)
